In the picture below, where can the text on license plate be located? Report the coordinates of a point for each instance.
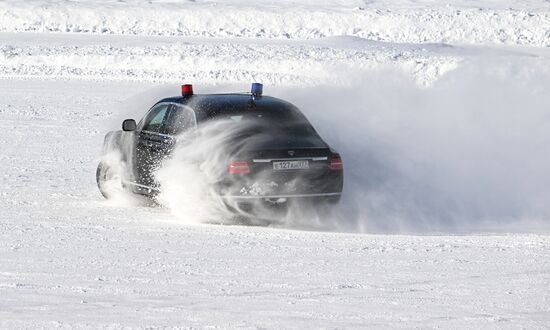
(291, 165)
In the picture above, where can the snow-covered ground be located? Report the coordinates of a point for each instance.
(439, 108)
(462, 21)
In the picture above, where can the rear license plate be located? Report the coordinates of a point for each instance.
(291, 165)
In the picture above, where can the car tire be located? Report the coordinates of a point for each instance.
(107, 180)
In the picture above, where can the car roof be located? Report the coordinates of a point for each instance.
(209, 105)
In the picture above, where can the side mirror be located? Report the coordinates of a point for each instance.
(129, 125)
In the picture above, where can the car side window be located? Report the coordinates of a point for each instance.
(181, 119)
(156, 118)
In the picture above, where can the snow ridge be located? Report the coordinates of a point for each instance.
(213, 61)
(384, 22)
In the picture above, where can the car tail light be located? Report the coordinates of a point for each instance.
(336, 163)
(239, 167)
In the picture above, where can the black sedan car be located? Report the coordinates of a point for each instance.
(271, 145)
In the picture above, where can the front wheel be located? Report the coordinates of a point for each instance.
(108, 180)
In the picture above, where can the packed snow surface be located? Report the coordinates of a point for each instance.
(440, 110)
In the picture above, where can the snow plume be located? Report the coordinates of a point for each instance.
(470, 153)
(196, 174)
(113, 167)
(188, 177)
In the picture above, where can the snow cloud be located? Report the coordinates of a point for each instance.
(470, 153)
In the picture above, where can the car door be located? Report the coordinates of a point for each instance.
(153, 144)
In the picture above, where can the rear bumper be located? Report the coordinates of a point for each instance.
(276, 196)
(290, 184)
(277, 205)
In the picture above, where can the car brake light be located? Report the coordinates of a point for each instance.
(239, 167)
(336, 163)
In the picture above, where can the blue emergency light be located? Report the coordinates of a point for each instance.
(257, 89)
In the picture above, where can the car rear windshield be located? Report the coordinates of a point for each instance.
(284, 120)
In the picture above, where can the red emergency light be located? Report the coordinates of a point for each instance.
(186, 90)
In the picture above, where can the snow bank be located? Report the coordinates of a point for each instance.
(208, 61)
(526, 23)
